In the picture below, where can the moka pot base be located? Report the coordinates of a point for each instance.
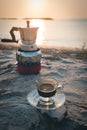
(28, 47)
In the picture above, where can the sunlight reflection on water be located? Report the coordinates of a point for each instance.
(60, 33)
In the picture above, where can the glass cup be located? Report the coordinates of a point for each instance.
(47, 86)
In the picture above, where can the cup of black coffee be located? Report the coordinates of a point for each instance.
(47, 86)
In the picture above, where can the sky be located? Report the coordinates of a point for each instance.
(59, 9)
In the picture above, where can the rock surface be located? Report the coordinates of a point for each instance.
(69, 67)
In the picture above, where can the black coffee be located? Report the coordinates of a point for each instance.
(46, 90)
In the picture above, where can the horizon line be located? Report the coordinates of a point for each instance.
(44, 18)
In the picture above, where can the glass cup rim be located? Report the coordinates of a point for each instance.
(47, 81)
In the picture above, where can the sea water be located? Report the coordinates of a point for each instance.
(70, 33)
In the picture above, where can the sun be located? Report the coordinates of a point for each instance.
(36, 3)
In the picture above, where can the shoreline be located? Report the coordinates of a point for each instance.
(13, 45)
(63, 52)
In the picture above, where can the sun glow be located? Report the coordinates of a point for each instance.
(40, 25)
(36, 3)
